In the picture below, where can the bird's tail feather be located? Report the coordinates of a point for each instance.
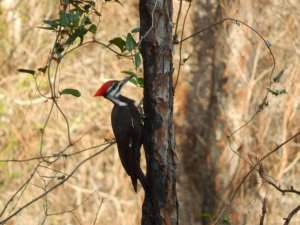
(134, 182)
(142, 179)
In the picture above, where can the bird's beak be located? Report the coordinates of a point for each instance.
(124, 81)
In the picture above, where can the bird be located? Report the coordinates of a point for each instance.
(127, 125)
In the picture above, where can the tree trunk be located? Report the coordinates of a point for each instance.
(160, 204)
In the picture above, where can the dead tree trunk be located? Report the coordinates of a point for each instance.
(160, 204)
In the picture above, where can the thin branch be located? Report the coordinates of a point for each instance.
(38, 89)
(263, 211)
(56, 154)
(265, 178)
(21, 189)
(93, 42)
(290, 216)
(260, 161)
(54, 187)
(73, 209)
(251, 171)
(180, 44)
(66, 120)
(267, 44)
(55, 76)
(43, 132)
(63, 174)
(177, 19)
(49, 64)
(100, 206)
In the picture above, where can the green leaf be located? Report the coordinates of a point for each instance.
(79, 32)
(137, 60)
(63, 20)
(225, 220)
(187, 58)
(278, 76)
(87, 7)
(70, 91)
(130, 42)
(59, 48)
(129, 73)
(135, 30)
(61, 177)
(140, 81)
(43, 69)
(119, 42)
(47, 28)
(134, 81)
(93, 29)
(277, 92)
(206, 215)
(85, 21)
(69, 19)
(52, 23)
(32, 72)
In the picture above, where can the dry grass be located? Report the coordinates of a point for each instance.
(23, 112)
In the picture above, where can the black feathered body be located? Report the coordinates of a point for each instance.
(128, 129)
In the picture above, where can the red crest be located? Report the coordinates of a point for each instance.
(103, 89)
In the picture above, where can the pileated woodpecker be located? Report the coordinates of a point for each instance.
(127, 127)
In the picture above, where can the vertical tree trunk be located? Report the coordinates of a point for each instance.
(199, 141)
(160, 205)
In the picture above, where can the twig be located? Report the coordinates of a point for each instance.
(251, 171)
(54, 187)
(180, 44)
(290, 216)
(259, 162)
(21, 189)
(43, 131)
(73, 209)
(266, 42)
(55, 154)
(177, 19)
(96, 218)
(66, 120)
(263, 211)
(272, 183)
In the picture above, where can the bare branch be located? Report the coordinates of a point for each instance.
(21, 189)
(251, 171)
(264, 102)
(180, 45)
(265, 178)
(55, 186)
(56, 155)
(290, 216)
(263, 211)
(96, 218)
(259, 162)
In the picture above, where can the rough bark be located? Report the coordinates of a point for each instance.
(160, 204)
